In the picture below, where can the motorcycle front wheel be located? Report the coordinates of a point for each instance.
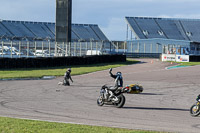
(100, 101)
(195, 110)
(121, 101)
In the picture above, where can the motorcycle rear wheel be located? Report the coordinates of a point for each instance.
(121, 101)
(195, 110)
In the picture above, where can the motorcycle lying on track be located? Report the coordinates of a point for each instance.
(195, 108)
(114, 95)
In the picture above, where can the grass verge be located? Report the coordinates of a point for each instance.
(59, 71)
(189, 63)
(11, 125)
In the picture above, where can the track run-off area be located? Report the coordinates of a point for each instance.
(163, 106)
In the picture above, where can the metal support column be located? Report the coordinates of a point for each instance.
(69, 48)
(11, 49)
(66, 50)
(2, 48)
(19, 49)
(131, 47)
(117, 47)
(96, 48)
(91, 47)
(27, 48)
(49, 48)
(124, 47)
(42, 49)
(35, 47)
(63, 47)
(80, 49)
(55, 49)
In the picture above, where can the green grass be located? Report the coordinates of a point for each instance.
(189, 63)
(59, 71)
(186, 63)
(10, 125)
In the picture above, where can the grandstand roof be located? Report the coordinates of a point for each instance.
(45, 30)
(166, 28)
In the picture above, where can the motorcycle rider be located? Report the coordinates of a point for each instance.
(118, 78)
(118, 82)
(67, 76)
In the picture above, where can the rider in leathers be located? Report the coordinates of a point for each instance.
(67, 77)
(118, 80)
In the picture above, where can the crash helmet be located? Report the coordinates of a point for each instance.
(69, 70)
(119, 74)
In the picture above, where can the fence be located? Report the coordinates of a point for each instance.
(138, 49)
(32, 49)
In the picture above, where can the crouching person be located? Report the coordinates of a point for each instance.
(67, 77)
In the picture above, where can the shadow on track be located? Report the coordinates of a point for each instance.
(148, 94)
(85, 86)
(149, 108)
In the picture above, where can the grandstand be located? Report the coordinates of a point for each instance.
(163, 35)
(166, 28)
(37, 39)
(42, 31)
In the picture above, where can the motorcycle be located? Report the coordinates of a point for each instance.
(111, 97)
(114, 95)
(195, 108)
(134, 89)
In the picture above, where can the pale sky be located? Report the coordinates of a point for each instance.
(108, 14)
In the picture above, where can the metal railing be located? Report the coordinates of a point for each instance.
(33, 49)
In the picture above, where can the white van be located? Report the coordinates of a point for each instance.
(93, 52)
(41, 53)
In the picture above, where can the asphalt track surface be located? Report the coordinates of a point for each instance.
(163, 106)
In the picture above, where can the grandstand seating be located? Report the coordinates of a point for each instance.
(17, 29)
(167, 28)
(170, 29)
(82, 32)
(150, 26)
(193, 28)
(42, 31)
(4, 31)
(39, 30)
(98, 32)
(134, 26)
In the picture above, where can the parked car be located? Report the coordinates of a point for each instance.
(2, 53)
(41, 53)
(25, 52)
(93, 52)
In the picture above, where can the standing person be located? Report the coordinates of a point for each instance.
(67, 76)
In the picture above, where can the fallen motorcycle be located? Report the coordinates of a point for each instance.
(134, 89)
(195, 108)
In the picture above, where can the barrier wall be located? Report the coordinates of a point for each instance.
(181, 58)
(194, 58)
(9, 63)
(174, 57)
(143, 55)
